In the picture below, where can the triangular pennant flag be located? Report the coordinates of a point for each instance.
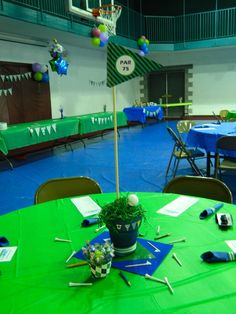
(10, 91)
(3, 78)
(5, 92)
(49, 129)
(22, 76)
(19, 77)
(43, 130)
(37, 130)
(29, 74)
(123, 65)
(15, 77)
(10, 77)
(54, 127)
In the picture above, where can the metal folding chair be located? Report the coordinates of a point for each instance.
(181, 151)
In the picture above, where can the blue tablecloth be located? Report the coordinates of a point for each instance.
(206, 135)
(140, 114)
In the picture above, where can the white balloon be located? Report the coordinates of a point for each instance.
(44, 68)
(133, 200)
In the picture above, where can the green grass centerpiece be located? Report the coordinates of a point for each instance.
(123, 217)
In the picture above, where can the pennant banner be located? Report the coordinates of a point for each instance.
(16, 77)
(6, 91)
(123, 65)
(99, 83)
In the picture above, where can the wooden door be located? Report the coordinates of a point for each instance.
(22, 99)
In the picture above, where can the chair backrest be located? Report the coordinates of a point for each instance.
(178, 141)
(66, 187)
(184, 126)
(201, 187)
(227, 143)
(223, 113)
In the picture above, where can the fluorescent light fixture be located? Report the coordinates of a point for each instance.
(17, 38)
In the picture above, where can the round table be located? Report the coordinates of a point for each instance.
(206, 135)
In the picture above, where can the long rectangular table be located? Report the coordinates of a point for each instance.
(31, 133)
(141, 114)
(36, 280)
(100, 121)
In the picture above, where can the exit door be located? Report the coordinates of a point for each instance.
(168, 87)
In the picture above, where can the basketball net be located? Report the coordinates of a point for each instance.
(110, 14)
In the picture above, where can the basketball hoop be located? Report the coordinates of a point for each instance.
(110, 14)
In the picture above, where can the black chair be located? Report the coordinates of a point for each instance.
(181, 151)
(225, 146)
(65, 187)
(201, 187)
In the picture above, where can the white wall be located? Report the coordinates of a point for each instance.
(74, 91)
(214, 77)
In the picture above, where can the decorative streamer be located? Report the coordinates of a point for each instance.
(97, 83)
(15, 77)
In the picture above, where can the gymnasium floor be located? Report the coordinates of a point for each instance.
(143, 158)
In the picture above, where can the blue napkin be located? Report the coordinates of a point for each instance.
(3, 241)
(89, 222)
(217, 257)
(210, 211)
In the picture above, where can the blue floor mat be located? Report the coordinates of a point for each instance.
(143, 157)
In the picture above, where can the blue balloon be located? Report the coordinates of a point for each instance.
(102, 44)
(143, 47)
(62, 66)
(45, 78)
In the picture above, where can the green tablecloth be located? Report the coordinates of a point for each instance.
(36, 280)
(26, 134)
(100, 121)
(231, 114)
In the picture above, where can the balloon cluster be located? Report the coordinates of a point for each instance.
(143, 44)
(40, 72)
(58, 64)
(99, 36)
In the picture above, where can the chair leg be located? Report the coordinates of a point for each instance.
(171, 158)
(176, 166)
(195, 167)
(8, 161)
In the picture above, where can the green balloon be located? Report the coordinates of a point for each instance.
(96, 41)
(141, 41)
(38, 76)
(102, 28)
(147, 41)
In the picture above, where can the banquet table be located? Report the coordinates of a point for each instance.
(31, 133)
(231, 114)
(205, 136)
(100, 121)
(141, 114)
(36, 279)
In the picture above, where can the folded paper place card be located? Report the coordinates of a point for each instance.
(86, 206)
(178, 206)
(231, 244)
(6, 253)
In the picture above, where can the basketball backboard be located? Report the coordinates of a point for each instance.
(107, 16)
(91, 4)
